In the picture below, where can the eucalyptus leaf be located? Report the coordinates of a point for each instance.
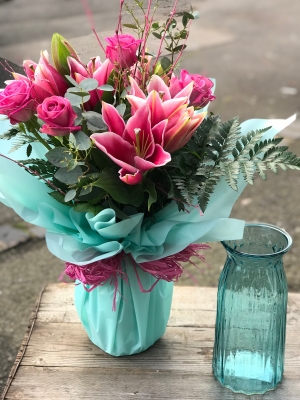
(71, 80)
(95, 121)
(79, 93)
(73, 99)
(70, 195)
(88, 84)
(121, 108)
(59, 156)
(80, 140)
(69, 177)
(77, 111)
(72, 164)
(106, 88)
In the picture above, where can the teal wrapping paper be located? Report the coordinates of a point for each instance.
(140, 318)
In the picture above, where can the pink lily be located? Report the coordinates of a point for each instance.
(135, 147)
(94, 69)
(181, 120)
(46, 80)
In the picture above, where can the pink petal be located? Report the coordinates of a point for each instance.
(158, 159)
(156, 83)
(135, 102)
(138, 132)
(158, 132)
(113, 119)
(155, 104)
(117, 149)
(186, 91)
(129, 178)
(173, 105)
(76, 67)
(135, 89)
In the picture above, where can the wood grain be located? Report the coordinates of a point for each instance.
(60, 362)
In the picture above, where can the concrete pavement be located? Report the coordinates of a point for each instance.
(251, 48)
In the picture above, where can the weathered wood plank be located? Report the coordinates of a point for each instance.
(88, 383)
(60, 362)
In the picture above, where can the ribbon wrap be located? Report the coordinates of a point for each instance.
(98, 273)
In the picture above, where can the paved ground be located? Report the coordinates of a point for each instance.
(251, 48)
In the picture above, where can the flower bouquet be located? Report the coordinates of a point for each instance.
(126, 170)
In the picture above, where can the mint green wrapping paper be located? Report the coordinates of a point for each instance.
(140, 318)
(81, 238)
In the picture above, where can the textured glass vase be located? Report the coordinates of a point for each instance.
(251, 311)
(140, 318)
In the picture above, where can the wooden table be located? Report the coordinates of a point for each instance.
(58, 361)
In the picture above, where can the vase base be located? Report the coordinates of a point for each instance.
(248, 386)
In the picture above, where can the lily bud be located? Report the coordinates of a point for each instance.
(61, 49)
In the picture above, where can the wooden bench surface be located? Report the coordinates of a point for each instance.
(58, 361)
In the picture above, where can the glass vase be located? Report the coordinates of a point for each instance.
(251, 311)
(139, 320)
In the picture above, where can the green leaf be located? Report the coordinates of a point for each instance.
(88, 84)
(183, 34)
(73, 99)
(106, 88)
(165, 63)
(70, 195)
(157, 35)
(59, 156)
(119, 213)
(248, 170)
(185, 20)
(179, 48)
(231, 171)
(95, 121)
(121, 108)
(86, 207)
(11, 133)
(71, 80)
(132, 26)
(149, 187)
(72, 164)
(28, 150)
(101, 159)
(59, 197)
(79, 93)
(69, 177)
(155, 25)
(188, 15)
(120, 191)
(80, 140)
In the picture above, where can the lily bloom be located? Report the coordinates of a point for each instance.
(46, 81)
(94, 69)
(181, 122)
(135, 147)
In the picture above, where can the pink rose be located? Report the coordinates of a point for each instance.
(16, 101)
(58, 115)
(121, 50)
(201, 94)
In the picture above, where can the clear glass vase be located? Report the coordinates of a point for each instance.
(251, 311)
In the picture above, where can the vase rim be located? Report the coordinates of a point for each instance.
(282, 251)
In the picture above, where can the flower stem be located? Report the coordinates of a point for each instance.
(41, 140)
